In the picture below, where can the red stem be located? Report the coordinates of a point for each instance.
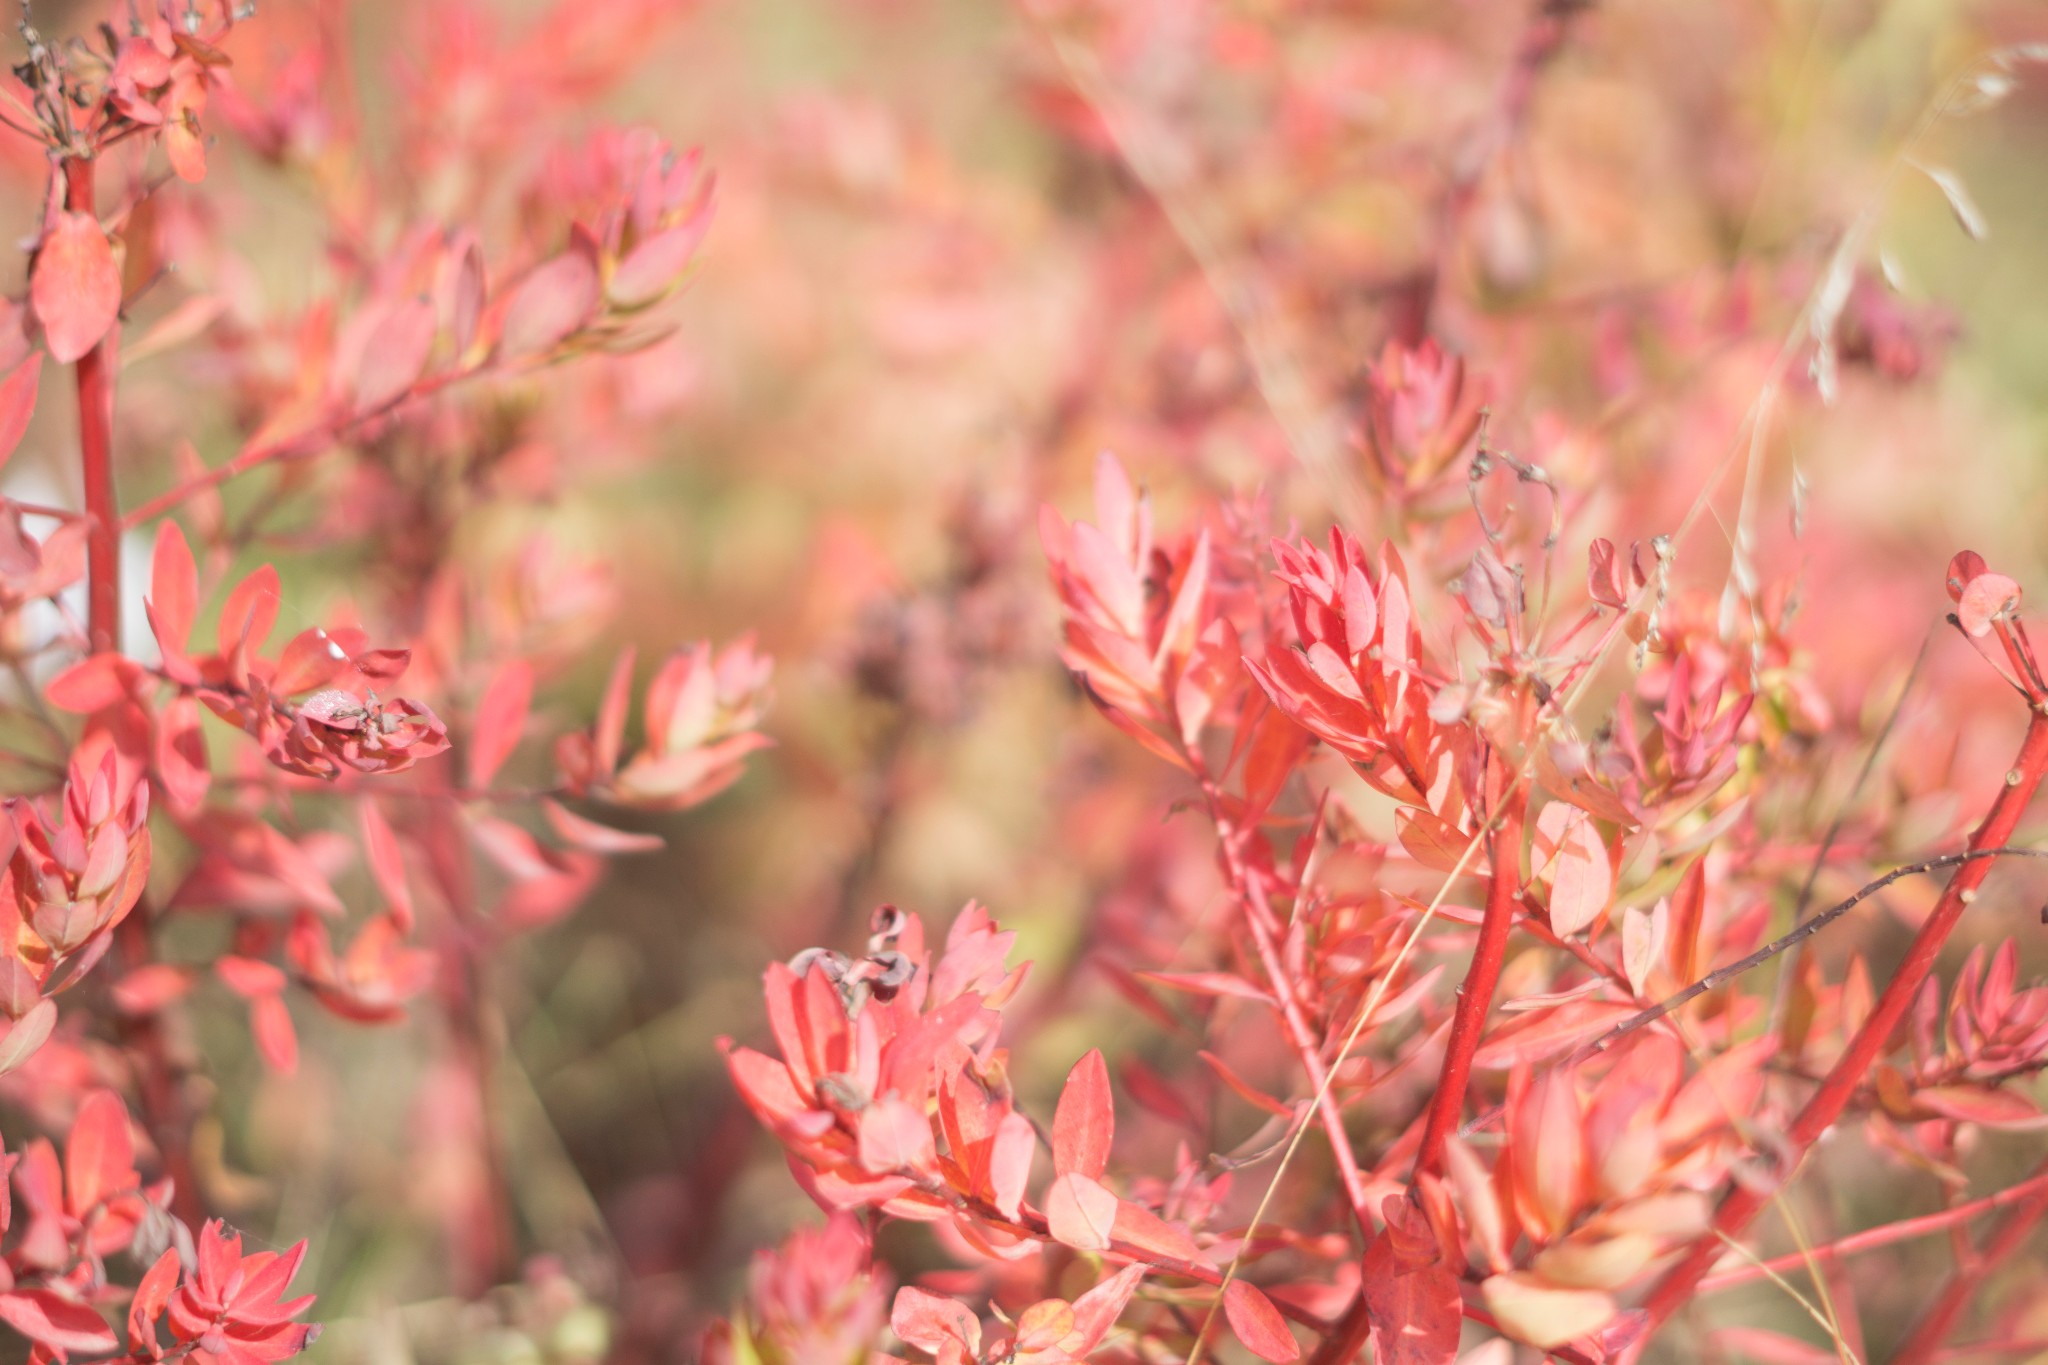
(2033, 1191)
(1258, 913)
(96, 454)
(1744, 1202)
(1924, 1344)
(1475, 997)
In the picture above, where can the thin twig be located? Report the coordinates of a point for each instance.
(1804, 931)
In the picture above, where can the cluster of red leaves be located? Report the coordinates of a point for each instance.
(218, 1306)
(1613, 1127)
(403, 398)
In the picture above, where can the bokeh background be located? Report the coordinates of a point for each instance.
(963, 245)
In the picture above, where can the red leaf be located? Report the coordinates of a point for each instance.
(75, 288)
(1962, 569)
(270, 1022)
(150, 988)
(1544, 1315)
(550, 305)
(1080, 1212)
(148, 1304)
(656, 265)
(1570, 854)
(1244, 1089)
(99, 1155)
(181, 756)
(930, 1322)
(1096, 1311)
(1085, 1121)
(1207, 983)
(469, 297)
(1988, 1105)
(58, 1323)
(499, 718)
(1043, 1326)
(1688, 914)
(1009, 1162)
(250, 978)
(1431, 841)
(26, 1034)
(93, 684)
(592, 837)
(18, 402)
(894, 1137)
(610, 730)
(1542, 1034)
(387, 864)
(1416, 1312)
(1988, 597)
(395, 353)
(173, 589)
(1258, 1323)
(1147, 1231)
(251, 611)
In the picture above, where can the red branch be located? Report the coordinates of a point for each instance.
(96, 454)
(1744, 1202)
(1475, 997)
(2033, 1191)
(1923, 1345)
(1258, 913)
